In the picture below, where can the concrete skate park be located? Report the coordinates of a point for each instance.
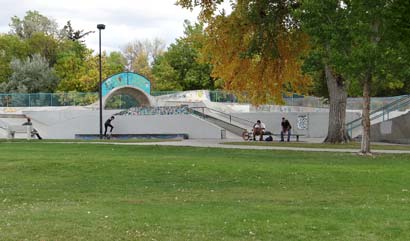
(193, 115)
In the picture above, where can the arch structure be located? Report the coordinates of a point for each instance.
(135, 85)
(139, 95)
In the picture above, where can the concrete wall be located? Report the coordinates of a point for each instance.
(317, 122)
(5, 122)
(65, 124)
(395, 130)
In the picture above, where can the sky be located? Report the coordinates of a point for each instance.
(125, 20)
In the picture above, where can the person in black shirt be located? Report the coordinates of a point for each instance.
(108, 124)
(285, 129)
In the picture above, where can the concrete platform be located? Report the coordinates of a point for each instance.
(177, 136)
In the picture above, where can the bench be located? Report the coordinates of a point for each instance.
(291, 135)
(248, 135)
(12, 130)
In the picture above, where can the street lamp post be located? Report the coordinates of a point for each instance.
(100, 27)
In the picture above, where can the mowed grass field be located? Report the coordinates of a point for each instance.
(351, 145)
(61, 191)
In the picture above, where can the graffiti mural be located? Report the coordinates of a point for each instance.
(302, 122)
(126, 79)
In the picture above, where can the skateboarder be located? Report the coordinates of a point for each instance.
(108, 124)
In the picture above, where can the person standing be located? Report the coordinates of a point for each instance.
(286, 127)
(108, 124)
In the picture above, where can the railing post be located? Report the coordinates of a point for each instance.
(230, 119)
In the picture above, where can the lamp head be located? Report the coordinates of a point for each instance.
(100, 26)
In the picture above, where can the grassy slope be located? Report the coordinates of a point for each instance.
(100, 192)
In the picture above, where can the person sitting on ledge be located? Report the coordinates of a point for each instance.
(258, 130)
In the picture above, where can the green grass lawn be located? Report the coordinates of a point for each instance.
(351, 145)
(106, 192)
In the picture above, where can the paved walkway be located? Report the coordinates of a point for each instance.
(215, 143)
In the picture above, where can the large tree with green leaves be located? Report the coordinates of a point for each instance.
(356, 41)
(31, 76)
(45, 45)
(141, 54)
(326, 22)
(78, 68)
(33, 22)
(180, 67)
(11, 47)
(70, 64)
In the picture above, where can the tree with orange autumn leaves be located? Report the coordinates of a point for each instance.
(357, 42)
(256, 62)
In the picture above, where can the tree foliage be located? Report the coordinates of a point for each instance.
(208, 7)
(339, 34)
(10, 47)
(33, 22)
(36, 38)
(180, 67)
(45, 45)
(357, 39)
(74, 35)
(79, 71)
(31, 76)
(255, 49)
(140, 55)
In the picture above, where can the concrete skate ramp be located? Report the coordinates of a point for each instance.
(396, 130)
(142, 98)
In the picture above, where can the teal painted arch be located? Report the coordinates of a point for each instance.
(126, 79)
(142, 98)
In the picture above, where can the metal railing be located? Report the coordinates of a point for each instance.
(228, 117)
(224, 124)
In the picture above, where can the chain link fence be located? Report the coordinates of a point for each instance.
(47, 99)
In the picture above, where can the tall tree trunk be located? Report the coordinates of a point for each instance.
(365, 146)
(336, 85)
